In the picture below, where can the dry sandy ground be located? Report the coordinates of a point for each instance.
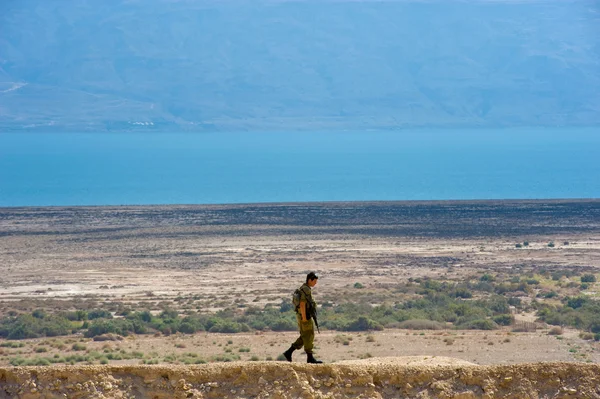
(143, 255)
(484, 348)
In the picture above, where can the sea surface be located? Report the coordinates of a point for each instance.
(42, 169)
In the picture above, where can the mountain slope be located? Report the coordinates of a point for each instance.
(207, 65)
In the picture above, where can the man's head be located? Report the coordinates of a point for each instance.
(311, 279)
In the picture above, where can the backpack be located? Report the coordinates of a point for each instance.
(296, 296)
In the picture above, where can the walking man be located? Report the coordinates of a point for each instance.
(305, 311)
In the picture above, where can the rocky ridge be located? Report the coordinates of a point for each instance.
(370, 379)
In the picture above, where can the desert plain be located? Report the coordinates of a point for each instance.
(199, 260)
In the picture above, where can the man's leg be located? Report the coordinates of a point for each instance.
(308, 336)
(297, 344)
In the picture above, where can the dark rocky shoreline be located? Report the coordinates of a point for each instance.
(435, 219)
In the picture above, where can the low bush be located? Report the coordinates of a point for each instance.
(479, 324)
(78, 347)
(35, 325)
(421, 325)
(555, 331)
(99, 314)
(433, 302)
(108, 337)
(363, 323)
(588, 278)
(503, 319)
(227, 326)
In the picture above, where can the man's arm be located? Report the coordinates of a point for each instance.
(303, 310)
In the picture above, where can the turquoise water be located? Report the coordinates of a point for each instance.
(39, 169)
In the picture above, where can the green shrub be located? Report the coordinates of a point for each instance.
(514, 301)
(421, 325)
(190, 325)
(576, 302)
(286, 306)
(99, 327)
(358, 285)
(225, 358)
(98, 314)
(497, 304)
(479, 324)
(462, 293)
(12, 344)
(284, 325)
(588, 278)
(363, 323)
(38, 361)
(503, 319)
(227, 326)
(16, 361)
(78, 347)
(30, 326)
(169, 314)
(78, 315)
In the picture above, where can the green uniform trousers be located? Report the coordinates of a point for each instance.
(307, 335)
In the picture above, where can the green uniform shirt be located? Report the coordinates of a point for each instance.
(306, 296)
(307, 332)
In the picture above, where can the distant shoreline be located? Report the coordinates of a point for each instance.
(441, 219)
(323, 203)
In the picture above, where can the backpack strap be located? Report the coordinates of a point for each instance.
(304, 292)
(308, 303)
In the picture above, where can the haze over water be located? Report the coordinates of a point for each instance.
(40, 169)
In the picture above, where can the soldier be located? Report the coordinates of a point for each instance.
(304, 313)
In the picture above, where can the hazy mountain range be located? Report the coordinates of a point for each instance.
(289, 65)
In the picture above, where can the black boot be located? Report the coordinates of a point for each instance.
(311, 359)
(288, 353)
